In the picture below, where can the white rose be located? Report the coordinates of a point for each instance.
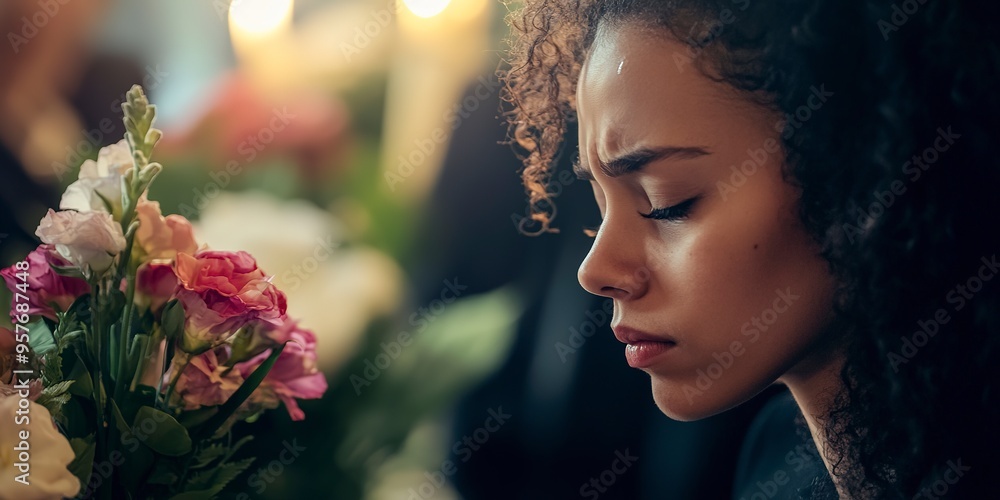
(103, 177)
(49, 455)
(86, 239)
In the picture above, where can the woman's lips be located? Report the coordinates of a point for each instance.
(643, 350)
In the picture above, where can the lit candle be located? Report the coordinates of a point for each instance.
(260, 30)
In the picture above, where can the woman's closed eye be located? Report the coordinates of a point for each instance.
(672, 213)
(676, 212)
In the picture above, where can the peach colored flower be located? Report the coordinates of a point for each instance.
(50, 454)
(162, 237)
(221, 292)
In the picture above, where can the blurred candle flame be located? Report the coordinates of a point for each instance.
(260, 31)
(426, 8)
(259, 17)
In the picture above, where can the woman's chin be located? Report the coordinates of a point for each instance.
(685, 402)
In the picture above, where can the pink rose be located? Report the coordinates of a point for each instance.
(155, 283)
(47, 291)
(221, 292)
(293, 376)
(89, 240)
(162, 237)
(204, 382)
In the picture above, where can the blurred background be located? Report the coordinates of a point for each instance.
(356, 149)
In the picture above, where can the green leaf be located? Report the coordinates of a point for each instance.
(208, 455)
(239, 444)
(120, 422)
(83, 463)
(162, 474)
(84, 386)
(69, 337)
(55, 396)
(40, 338)
(107, 202)
(69, 271)
(172, 320)
(168, 436)
(214, 480)
(135, 358)
(192, 419)
(241, 394)
(52, 367)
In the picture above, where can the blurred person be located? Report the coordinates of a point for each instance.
(799, 188)
(42, 63)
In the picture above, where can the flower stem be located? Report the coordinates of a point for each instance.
(174, 377)
(125, 334)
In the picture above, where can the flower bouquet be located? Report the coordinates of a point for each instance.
(135, 351)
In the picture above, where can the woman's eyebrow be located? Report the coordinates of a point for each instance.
(634, 161)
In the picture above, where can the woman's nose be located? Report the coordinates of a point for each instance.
(615, 264)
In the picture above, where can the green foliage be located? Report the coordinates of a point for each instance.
(207, 484)
(40, 338)
(53, 397)
(83, 449)
(172, 320)
(168, 436)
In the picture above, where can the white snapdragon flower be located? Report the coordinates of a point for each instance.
(86, 239)
(102, 177)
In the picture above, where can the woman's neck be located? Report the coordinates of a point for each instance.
(815, 383)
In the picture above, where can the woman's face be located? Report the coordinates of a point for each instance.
(718, 289)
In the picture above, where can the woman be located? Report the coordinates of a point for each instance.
(794, 192)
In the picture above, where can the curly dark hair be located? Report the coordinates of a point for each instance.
(920, 377)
